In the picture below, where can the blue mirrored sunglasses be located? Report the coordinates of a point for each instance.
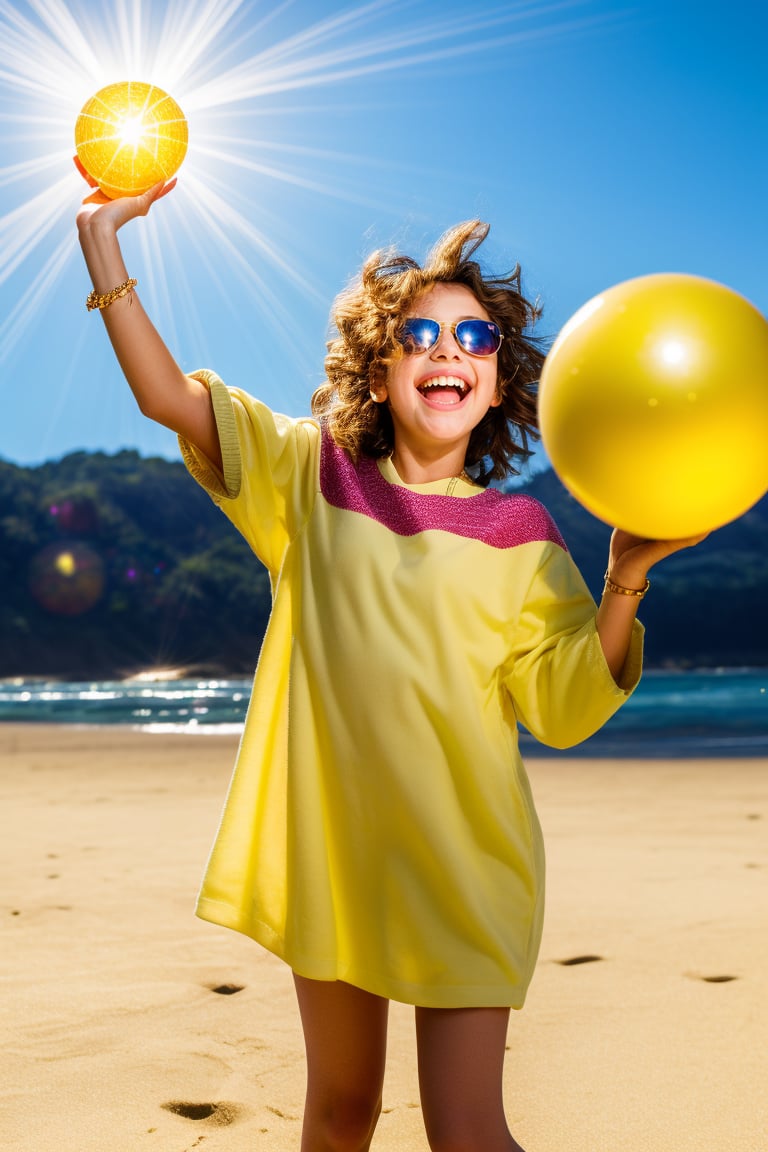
(478, 337)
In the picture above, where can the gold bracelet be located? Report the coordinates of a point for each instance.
(639, 592)
(103, 300)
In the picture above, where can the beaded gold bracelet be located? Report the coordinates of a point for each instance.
(103, 300)
(639, 592)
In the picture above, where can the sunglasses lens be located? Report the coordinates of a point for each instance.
(478, 337)
(418, 334)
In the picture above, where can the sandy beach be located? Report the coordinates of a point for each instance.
(128, 1024)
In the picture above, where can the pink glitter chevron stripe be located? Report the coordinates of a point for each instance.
(501, 520)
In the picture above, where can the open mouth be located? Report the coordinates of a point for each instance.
(444, 389)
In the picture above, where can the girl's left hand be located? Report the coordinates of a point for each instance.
(631, 557)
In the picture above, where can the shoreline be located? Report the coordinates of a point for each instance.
(151, 674)
(707, 714)
(631, 746)
(664, 748)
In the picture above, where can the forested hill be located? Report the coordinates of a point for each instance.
(112, 564)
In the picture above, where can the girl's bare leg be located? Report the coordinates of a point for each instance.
(461, 1059)
(345, 1034)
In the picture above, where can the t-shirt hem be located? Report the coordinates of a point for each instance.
(630, 675)
(423, 996)
(224, 485)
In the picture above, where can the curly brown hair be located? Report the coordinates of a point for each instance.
(367, 316)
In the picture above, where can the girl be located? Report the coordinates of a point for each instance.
(379, 834)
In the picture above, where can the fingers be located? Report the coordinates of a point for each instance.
(125, 208)
(142, 204)
(154, 193)
(165, 188)
(670, 546)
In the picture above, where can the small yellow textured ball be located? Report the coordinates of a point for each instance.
(130, 136)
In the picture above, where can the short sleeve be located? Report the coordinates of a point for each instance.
(269, 476)
(557, 676)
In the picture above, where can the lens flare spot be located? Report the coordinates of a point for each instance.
(65, 563)
(67, 579)
(77, 516)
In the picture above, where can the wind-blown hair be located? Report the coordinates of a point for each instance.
(366, 317)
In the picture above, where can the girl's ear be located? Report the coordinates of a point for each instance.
(378, 389)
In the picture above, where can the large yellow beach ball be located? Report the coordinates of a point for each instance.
(130, 136)
(653, 405)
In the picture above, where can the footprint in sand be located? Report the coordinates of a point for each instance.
(219, 1114)
(588, 959)
(725, 979)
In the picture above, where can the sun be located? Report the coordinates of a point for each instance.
(248, 77)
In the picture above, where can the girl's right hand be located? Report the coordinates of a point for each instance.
(120, 211)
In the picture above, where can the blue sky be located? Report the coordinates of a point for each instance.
(601, 141)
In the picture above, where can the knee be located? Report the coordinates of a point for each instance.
(348, 1122)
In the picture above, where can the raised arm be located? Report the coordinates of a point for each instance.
(163, 392)
(629, 561)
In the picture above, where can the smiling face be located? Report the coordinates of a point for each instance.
(437, 397)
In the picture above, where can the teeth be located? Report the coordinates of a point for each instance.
(445, 382)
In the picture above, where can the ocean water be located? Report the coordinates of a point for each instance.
(721, 712)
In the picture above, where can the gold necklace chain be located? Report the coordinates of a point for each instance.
(454, 481)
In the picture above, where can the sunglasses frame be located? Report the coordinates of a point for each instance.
(453, 329)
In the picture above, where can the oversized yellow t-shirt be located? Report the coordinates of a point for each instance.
(379, 828)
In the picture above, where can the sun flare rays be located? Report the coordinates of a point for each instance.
(229, 64)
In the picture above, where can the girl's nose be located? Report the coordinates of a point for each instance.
(445, 347)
